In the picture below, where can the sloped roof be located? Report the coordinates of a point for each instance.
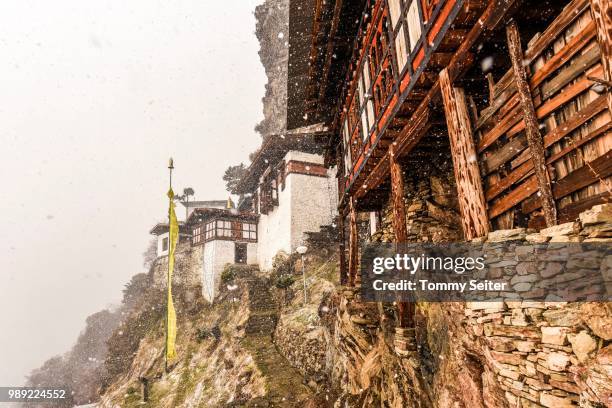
(162, 227)
(201, 214)
(274, 148)
(321, 36)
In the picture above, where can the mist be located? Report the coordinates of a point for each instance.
(95, 97)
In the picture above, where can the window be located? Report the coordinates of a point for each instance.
(240, 252)
(249, 231)
(406, 26)
(210, 230)
(401, 48)
(164, 244)
(347, 149)
(224, 228)
(196, 234)
(395, 9)
(414, 24)
(268, 191)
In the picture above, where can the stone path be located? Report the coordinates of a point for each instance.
(285, 383)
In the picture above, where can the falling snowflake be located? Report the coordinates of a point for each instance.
(487, 64)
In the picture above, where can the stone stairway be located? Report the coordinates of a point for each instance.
(263, 309)
(284, 383)
(327, 234)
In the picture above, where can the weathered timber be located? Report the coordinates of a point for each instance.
(524, 190)
(570, 13)
(397, 198)
(506, 88)
(353, 243)
(512, 123)
(585, 139)
(467, 175)
(551, 105)
(602, 14)
(597, 169)
(496, 104)
(343, 270)
(499, 157)
(405, 310)
(460, 62)
(405, 140)
(579, 65)
(534, 139)
(586, 175)
(505, 183)
(586, 113)
(502, 127)
(558, 133)
(526, 167)
(562, 56)
(571, 211)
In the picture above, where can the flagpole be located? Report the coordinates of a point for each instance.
(170, 168)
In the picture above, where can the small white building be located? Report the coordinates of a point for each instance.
(292, 191)
(227, 236)
(286, 192)
(161, 232)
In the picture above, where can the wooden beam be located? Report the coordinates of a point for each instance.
(397, 198)
(343, 270)
(405, 310)
(534, 138)
(514, 196)
(593, 171)
(500, 156)
(571, 211)
(467, 175)
(353, 243)
(330, 49)
(602, 14)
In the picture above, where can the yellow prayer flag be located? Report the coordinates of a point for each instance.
(171, 313)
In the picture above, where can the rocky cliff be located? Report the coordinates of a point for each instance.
(272, 31)
(264, 342)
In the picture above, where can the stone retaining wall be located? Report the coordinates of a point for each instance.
(551, 354)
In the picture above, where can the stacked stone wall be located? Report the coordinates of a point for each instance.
(432, 213)
(497, 354)
(551, 354)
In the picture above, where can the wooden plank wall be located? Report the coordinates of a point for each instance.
(574, 122)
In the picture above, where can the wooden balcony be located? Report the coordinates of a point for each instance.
(399, 50)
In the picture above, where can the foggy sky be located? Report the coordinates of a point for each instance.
(94, 98)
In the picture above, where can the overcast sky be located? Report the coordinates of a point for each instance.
(94, 98)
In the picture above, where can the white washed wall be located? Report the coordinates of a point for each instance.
(314, 203)
(252, 253)
(217, 254)
(160, 238)
(306, 203)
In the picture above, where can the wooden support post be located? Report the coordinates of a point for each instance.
(405, 310)
(342, 254)
(534, 138)
(353, 244)
(602, 14)
(397, 198)
(465, 163)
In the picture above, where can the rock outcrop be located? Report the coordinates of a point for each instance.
(272, 31)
